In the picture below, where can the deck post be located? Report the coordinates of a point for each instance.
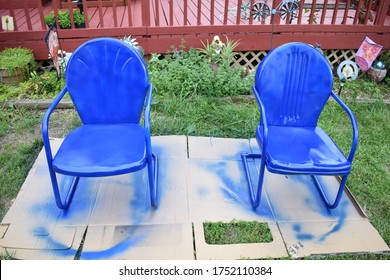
(145, 13)
(382, 11)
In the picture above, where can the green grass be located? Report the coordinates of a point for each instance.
(19, 148)
(370, 178)
(20, 142)
(236, 232)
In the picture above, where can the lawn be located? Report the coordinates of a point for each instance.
(20, 142)
(206, 107)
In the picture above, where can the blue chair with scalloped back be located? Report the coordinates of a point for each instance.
(108, 83)
(292, 85)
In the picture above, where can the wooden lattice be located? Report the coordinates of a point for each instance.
(45, 66)
(251, 59)
(335, 57)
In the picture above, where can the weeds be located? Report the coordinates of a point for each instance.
(237, 232)
(181, 74)
(186, 102)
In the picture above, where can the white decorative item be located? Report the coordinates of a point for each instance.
(7, 22)
(133, 42)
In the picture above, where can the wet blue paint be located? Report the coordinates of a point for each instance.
(81, 207)
(297, 227)
(236, 189)
(304, 236)
(202, 192)
(78, 210)
(113, 251)
(316, 204)
(342, 214)
(301, 236)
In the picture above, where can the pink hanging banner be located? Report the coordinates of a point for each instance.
(367, 53)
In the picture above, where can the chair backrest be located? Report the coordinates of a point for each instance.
(107, 80)
(294, 82)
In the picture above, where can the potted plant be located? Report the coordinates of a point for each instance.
(16, 65)
(218, 52)
(79, 20)
(50, 19)
(64, 19)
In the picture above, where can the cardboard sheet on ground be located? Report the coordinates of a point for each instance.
(201, 180)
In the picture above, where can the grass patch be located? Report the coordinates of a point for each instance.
(176, 114)
(370, 176)
(237, 232)
(20, 144)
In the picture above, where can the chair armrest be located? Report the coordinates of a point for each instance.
(263, 118)
(355, 130)
(45, 122)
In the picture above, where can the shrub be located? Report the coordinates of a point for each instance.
(45, 85)
(184, 73)
(12, 59)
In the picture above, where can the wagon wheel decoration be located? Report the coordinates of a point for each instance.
(260, 11)
(289, 11)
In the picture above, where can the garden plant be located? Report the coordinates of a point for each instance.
(192, 99)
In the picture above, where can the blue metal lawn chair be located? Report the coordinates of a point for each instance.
(109, 85)
(292, 85)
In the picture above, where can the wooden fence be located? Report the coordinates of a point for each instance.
(159, 24)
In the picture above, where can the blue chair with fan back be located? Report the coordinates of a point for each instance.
(108, 83)
(292, 85)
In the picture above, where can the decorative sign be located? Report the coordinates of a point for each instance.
(367, 53)
(7, 22)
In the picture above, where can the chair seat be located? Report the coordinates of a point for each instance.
(102, 150)
(306, 150)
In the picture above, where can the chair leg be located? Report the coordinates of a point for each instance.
(255, 197)
(69, 194)
(339, 193)
(153, 179)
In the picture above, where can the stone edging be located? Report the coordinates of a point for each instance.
(239, 98)
(67, 104)
(37, 104)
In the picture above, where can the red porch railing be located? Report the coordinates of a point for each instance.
(158, 24)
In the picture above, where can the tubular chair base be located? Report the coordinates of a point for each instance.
(153, 186)
(69, 194)
(153, 181)
(339, 192)
(255, 196)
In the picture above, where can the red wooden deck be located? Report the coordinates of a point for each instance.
(158, 24)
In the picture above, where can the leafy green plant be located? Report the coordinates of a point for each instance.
(78, 17)
(181, 73)
(44, 85)
(38, 86)
(218, 52)
(363, 87)
(64, 19)
(50, 19)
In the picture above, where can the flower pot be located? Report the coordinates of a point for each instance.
(16, 76)
(376, 74)
(80, 25)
